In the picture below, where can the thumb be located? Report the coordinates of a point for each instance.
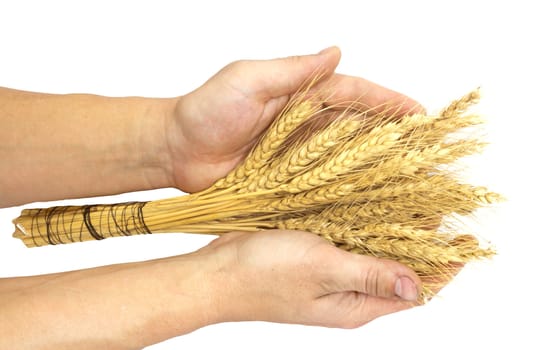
(284, 76)
(375, 277)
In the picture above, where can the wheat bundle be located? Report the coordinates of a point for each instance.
(376, 185)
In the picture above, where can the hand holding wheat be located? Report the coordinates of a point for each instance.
(215, 126)
(295, 277)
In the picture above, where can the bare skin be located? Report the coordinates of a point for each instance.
(68, 146)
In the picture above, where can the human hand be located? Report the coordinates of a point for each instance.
(213, 128)
(297, 277)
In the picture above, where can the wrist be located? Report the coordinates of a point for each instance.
(168, 297)
(152, 149)
(229, 292)
(193, 291)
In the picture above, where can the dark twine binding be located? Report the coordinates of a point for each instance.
(101, 221)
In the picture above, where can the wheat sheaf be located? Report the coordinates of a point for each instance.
(369, 182)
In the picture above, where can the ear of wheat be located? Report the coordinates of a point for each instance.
(370, 185)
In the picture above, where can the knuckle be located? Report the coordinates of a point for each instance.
(379, 280)
(371, 280)
(294, 59)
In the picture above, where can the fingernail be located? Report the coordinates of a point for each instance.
(406, 289)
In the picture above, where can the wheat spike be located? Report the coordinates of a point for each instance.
(288, 121)
(303, 156)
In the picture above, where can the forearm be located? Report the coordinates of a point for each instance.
(126, 306)
(68, 146)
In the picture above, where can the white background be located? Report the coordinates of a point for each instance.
(433, 51)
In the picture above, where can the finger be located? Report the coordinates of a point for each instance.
(285, 76)
(349, 91)
(352, 310)
(373, 276)
(369, 308)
